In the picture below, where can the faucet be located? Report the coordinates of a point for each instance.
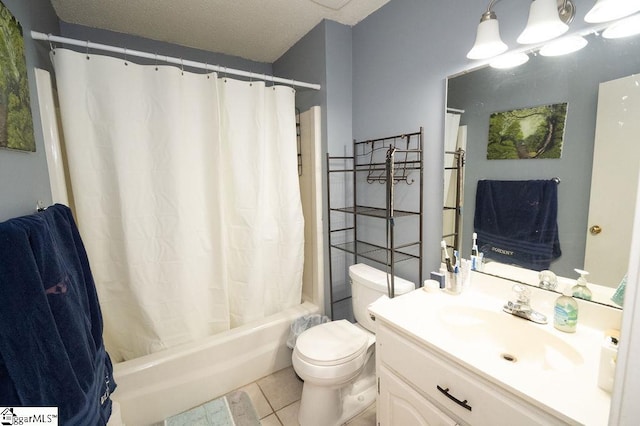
(521, 307)
(547, 280)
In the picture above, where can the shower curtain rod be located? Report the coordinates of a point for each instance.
(172, 60)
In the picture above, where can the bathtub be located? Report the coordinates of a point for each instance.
(156, 386)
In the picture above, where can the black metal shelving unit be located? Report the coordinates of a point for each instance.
(452, 239)
(397, 163)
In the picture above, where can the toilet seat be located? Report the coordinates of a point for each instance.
(332, 343)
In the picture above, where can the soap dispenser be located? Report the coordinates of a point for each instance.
(565, 317)
(580, 290)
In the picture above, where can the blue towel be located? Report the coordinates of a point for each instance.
(51, 348)
(516, 222)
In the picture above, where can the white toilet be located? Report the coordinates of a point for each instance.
(336, 359)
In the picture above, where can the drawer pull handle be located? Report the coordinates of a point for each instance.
(453, 398)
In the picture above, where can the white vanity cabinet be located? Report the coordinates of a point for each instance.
(447, 359)
(400, 404)
(418, 386)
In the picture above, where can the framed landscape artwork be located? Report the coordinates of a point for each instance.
(527, 133)
(16, 123)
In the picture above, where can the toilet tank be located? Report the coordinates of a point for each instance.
(368, 285)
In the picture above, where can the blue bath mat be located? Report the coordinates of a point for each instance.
(232, 409)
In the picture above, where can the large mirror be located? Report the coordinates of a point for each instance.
(573, 79)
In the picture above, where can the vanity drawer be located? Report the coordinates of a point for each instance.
(465, 397)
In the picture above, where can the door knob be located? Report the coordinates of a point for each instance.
(595, 230)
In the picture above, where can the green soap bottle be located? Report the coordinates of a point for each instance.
(580, 290)
(565, 317)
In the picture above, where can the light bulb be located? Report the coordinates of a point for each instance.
(543, 24)
(509, 60)
(563, 46)
(488, 42)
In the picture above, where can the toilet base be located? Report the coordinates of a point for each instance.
(326, 406)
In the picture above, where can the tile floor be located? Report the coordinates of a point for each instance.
(276, 399)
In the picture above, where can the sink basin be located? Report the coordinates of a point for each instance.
(508, 339)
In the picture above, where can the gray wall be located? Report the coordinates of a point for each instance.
(324, 56)
(306, 61)
(23, 175)
(543, 81)
(402, 55)
(399, 85)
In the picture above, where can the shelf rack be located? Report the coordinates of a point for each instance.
(452, 236)
(397, 163)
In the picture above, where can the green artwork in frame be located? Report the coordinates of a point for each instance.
(527, 133)
(16, 123)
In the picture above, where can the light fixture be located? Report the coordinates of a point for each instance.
(624, 28)
(544, 22)
(488, 42)
(609, 10)
(563, 46)
(547, 19)
(509, 60)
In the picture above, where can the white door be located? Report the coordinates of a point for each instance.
(614, 181)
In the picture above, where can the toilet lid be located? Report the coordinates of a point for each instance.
(331, 343)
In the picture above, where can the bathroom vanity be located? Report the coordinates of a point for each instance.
(459, 359)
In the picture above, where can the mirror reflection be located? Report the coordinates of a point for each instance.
(586, 211)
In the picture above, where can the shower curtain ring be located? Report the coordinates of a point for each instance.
(156, 59)
(181, 67)
(87, 52)
(125, 56)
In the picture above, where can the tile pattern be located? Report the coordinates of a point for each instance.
(276, 399)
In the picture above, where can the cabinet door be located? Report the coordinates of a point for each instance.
(399, 404)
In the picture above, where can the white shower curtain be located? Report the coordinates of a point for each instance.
(186, 195)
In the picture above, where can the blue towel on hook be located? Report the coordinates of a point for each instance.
(516, 222)
(51, 348)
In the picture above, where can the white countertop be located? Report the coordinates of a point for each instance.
(567, 390)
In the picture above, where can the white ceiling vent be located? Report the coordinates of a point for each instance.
(332, 4)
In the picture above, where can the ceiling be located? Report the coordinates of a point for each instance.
(260, 30)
